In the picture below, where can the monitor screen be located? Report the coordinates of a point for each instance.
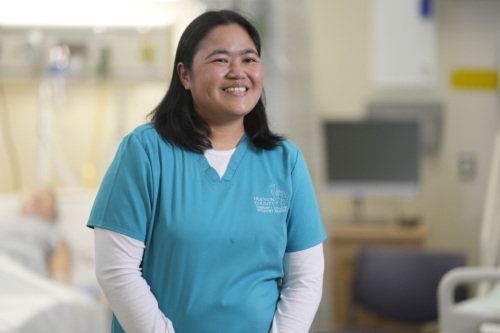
(371, 158)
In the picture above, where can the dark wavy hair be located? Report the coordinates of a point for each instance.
(175, 118)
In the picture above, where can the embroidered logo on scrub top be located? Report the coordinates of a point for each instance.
(277, 203)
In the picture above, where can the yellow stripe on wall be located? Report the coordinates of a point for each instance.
(475, 79)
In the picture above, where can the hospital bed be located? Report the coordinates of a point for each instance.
(31, 303)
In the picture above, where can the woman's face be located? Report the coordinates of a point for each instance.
(226, 76)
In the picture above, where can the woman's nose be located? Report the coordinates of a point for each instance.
(236, 71)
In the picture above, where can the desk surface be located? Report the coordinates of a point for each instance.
(366, 232)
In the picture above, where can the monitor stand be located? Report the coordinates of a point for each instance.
(358, 216)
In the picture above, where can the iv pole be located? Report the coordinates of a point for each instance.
(50, 95)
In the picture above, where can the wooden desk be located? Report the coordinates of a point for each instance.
(347, 239)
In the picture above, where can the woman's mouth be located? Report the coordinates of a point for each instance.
(234, 89)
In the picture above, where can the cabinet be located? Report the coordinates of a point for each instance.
(347, 239)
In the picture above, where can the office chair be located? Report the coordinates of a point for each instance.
(399, 286)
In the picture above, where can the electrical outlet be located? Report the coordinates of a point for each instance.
(467, 165)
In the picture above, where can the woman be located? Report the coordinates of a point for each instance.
(206, 221)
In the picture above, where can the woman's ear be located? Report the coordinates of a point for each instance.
(183, 75)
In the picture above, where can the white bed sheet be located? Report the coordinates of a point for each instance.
(30, 303)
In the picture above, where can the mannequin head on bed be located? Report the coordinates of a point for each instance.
(40, 202)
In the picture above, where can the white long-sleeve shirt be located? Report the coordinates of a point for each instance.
(118, 260)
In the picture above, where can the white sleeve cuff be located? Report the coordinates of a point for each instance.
(301, 290)
(118, 260)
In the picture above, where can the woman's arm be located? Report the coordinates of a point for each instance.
(301, 291)
(118, 260)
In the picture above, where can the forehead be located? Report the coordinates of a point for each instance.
(231, 36)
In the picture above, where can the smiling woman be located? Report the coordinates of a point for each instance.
(207, 221)
(225, 82)
(229, 60)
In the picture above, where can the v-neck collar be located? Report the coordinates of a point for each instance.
(233, 163)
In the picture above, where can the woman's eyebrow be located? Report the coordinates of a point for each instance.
(226, 52)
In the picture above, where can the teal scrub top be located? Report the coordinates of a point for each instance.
(213, 247)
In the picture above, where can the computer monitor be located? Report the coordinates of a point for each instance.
(372, 158)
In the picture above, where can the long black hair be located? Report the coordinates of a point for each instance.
(175, 118)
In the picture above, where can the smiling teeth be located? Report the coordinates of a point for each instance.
(235, 89)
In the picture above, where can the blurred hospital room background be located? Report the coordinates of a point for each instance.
(75, 77)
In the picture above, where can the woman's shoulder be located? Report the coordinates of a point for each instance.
(143, 131)
(146, 134)
(285, 151)
(286, 146)
(147, 137)
(289, 145)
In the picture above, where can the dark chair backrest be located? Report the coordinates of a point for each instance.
(402, 284)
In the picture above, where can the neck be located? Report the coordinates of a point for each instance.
(225, 138)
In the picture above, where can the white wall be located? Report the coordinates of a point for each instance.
(468, 35)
